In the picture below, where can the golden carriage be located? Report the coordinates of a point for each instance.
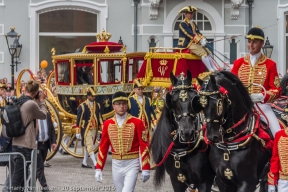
(106, 67)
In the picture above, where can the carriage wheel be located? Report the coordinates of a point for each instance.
(58, 130)
(73, 146)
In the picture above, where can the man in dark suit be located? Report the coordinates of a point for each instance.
(46, 140)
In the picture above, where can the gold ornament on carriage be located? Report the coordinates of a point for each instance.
(103, 36)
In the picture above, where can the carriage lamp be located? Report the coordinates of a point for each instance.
(267, 48)
(12, 39)
(120, 41)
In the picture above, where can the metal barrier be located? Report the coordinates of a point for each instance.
(7, 157)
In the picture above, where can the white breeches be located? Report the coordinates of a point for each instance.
(282, 186)
(273, 121)
(124, 174)
(209, 63)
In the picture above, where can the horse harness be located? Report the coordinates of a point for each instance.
(178, 153)
(240, 140)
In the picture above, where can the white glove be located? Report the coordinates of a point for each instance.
(98, 175)
(257, 97)
(203, 42)
(145, 175)
(55, 124)
(78, 136)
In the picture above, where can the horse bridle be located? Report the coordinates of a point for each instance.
(219, 107)
(183, 95)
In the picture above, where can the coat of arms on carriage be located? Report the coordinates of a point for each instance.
(162, 68)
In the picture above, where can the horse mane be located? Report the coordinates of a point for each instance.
(231, 79)
(160, 142)
(283, 84)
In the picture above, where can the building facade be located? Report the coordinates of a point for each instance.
(68, 25)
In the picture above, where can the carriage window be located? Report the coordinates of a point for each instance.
(134, 67)
(111, 71)
(84, 74)
(63, 72)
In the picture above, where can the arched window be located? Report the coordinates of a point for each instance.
(68, 31)
(201, 21)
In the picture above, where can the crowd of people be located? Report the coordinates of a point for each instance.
(40, 126)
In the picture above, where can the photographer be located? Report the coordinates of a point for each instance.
(30, 111)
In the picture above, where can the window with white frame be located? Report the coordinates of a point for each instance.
(67, 31)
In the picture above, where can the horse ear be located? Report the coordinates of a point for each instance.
(213, 81)
(199, 81)
(168, 101)
(189, 76)
(173, 79)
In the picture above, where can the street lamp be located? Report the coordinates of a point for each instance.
(267, 48)
(14, 47)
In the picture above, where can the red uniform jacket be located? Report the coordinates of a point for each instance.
(264, 73)
(125, 141)
(279, 160)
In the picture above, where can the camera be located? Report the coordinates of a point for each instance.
(37, 96)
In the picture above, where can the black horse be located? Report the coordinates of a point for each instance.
(237, 154)
(187, 163)
(280, 106)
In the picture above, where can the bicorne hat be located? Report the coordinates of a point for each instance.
(188, 9)
(90, 92)
(119, 96)
(137, 84)
(255, 33)
(3, 86)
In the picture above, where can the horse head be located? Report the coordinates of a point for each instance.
(179, 101)
(284, 85)
(225, 101)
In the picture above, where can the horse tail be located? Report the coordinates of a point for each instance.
(159, 144)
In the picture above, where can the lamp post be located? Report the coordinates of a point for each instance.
(14, 47)
(267, 48)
